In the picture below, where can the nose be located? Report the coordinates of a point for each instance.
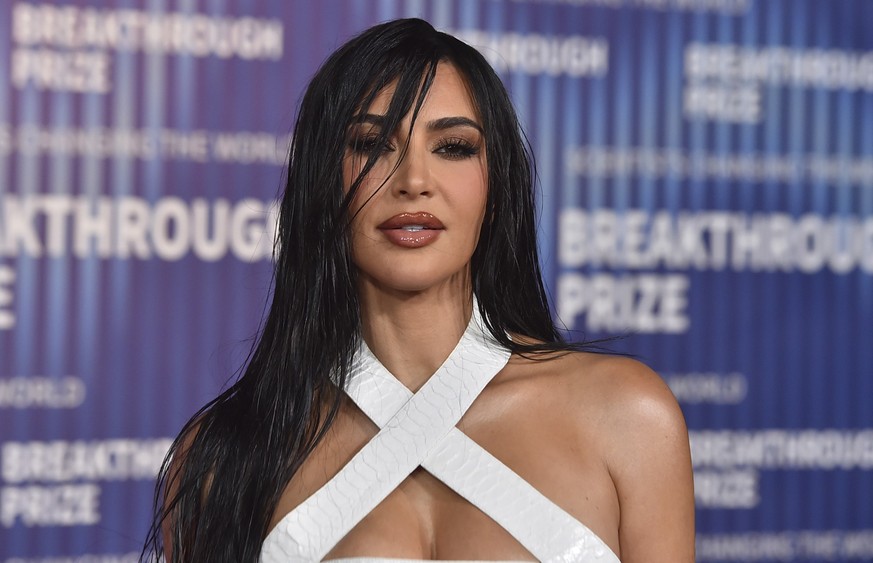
(412, 179)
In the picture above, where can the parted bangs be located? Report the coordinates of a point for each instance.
(402, 55)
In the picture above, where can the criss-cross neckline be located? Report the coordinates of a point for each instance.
(419, 430)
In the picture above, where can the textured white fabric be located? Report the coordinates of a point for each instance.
(394, 560)
(419, 429)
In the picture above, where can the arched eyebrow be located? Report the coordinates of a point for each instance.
(449, 122)
(371, 118)
(434, 125)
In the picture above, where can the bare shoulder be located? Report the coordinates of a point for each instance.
(623, 392)
(626, 411)
(617, 402)
(649, 459)
(632, 399)
(640, 414)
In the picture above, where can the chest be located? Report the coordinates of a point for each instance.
(423, 518)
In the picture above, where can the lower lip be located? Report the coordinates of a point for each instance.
(411, 239)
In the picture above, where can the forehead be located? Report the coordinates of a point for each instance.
(448, 96)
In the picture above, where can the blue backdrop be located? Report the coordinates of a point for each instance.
(707, 189)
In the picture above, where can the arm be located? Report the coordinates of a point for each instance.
(650, 464)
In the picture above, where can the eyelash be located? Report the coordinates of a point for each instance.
(452, 148)
(366, 144)
(456, 148)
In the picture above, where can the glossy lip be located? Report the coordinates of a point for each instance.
(394, 232)
(422, 218)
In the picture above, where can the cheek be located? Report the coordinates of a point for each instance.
(475, 196)
(351, 168)
(370, 185)
(357, 207)
(352, 165)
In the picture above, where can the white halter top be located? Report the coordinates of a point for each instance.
(419, 430)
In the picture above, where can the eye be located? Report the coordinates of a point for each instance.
(456, 148)
(367, 144)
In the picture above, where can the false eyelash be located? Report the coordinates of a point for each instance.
(456, 148)
(366, 144)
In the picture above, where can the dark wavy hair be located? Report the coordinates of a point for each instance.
(235, 456)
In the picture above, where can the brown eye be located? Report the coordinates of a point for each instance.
(366, 144)
(456, 148)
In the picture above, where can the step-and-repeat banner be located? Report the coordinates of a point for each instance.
(706, 169)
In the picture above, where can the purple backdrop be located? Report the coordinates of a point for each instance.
(707, 188)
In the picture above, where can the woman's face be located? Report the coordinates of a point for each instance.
(419, 230)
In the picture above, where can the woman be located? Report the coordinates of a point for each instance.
(408, 298)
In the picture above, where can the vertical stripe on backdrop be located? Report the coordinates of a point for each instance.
(60, 174)
(694, 200)
(413, 9)
(786, 337)
(862, 356)
(467, 13)
(836, 345)
(819, 197)
(690, 196)
(30, 274)
(53, 355)
(212, 291)
(442, 15)
(243, 85)
(569, 131)
(149, 282)
(388, 10)
(763, 307)
(621, 113)
(88, 300)
(6, 336)
(26, 178)
(716, 341)
(622, 108)
(672, 137)
(573, 118)
(549, 157)
(597, 137)
(121, 329)
(648, 109)
(748, 347)
(174, 285)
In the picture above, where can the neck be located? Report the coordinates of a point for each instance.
(412, 333)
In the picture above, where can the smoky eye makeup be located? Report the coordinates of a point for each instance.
(455, 137)
(456, 147)
(363, 144)
(364, 139)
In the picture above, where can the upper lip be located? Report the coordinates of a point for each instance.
(421, 218)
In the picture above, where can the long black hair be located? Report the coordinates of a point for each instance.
(235, 456)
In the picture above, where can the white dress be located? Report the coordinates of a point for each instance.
(419, 430)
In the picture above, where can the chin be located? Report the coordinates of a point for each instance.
(410, 284)
(414, 281)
